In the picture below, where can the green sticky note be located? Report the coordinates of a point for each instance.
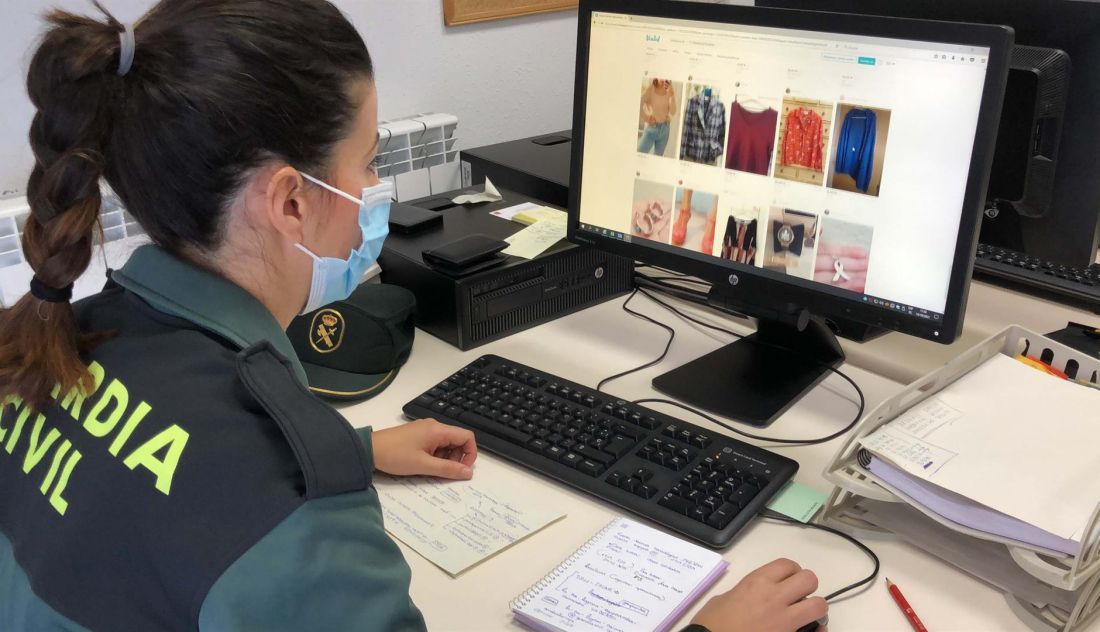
(798, 501)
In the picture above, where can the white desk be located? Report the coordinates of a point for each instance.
(603, 340)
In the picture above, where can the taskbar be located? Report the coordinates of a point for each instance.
(901, 308)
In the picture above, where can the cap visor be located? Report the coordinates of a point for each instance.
(345, 386)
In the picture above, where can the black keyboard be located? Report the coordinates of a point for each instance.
(702, 484)
(1059, 282)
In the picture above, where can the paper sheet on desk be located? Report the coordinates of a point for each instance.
(1008, 437)
(490, 194)
(456, 524)
(528, 213)
(536, 238)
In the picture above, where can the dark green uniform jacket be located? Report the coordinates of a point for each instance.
(200, 486)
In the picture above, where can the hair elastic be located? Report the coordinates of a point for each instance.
(127, 47)
(43, 292)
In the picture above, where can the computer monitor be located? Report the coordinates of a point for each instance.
(809, 166)
(1047, 143)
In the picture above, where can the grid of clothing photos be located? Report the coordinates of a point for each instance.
(761, 143)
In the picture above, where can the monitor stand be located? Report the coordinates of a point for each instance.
(757, 378)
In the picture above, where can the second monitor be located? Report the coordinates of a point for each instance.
(808, 166)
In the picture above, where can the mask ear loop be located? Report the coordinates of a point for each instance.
(332, 189)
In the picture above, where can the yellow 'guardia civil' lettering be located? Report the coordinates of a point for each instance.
(160, 455)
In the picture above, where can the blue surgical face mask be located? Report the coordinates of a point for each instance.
(335, 279)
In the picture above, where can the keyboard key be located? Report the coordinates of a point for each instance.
(555, 452)
(742, 495)
(453, 411)
(591, 401)
(700, 441)
(649, 423)
(483, 423)
(538, 445)
(615, 478)
(621, 413)
(677, 504)
(439, 406)
(722, 516)
(636, 419)
(685, 436)
(699, 513)
(626, 431)
(712, 503)
(629, 484)
(645, 491)
(424, 401)
(677, 463)
(591, 468)
(670, 431)
(618, 446)
(593, 454)
(437, 392)
(571, 459)
(643, 474)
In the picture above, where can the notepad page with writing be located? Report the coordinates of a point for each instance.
(627, 577)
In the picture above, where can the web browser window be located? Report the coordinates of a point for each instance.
(833, 158)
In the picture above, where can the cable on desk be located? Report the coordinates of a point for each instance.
(710, 418)
(638, 264)
(767, 513)
(668, 345)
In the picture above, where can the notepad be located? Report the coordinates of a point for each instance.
(626, 577)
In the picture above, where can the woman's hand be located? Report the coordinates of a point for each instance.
(773, 598)
(425, 447)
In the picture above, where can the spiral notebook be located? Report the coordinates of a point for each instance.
(626, 577)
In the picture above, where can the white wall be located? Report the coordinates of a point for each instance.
(504, 80)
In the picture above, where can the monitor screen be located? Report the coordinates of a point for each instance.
(838, 163)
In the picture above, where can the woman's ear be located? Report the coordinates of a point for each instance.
(276, 199)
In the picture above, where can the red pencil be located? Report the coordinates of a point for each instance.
(905, 607)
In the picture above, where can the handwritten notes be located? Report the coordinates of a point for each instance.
(456, 524)
(628, 577)
(536, 238)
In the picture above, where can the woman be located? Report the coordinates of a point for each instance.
(163, 466)
(658, 108)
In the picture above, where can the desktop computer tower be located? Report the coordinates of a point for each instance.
(518, 294)
(536, 166)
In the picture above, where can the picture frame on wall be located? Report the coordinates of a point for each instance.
(468, 11)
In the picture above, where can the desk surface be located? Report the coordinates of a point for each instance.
(603, 340)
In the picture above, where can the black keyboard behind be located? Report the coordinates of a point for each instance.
(1060, 282)
(702, 484)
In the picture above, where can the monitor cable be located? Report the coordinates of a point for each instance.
(699, 413)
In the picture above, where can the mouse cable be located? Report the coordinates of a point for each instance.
(769, 514)
(722, 424)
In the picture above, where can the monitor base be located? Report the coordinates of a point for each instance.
(757, 378)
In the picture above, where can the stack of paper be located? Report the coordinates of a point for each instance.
(1006, 449)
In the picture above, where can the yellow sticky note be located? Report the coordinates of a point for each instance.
(539, 213)
(536, 238)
